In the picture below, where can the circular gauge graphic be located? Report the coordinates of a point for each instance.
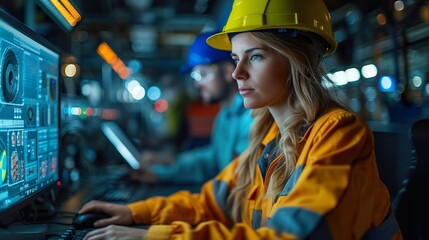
(10, 76)
(3, 162)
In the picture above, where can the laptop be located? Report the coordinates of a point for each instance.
(122, 143)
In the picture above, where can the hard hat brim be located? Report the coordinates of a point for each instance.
(220, 41)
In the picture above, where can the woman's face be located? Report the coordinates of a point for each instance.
(261, 75)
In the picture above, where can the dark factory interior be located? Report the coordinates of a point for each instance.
(122, 61)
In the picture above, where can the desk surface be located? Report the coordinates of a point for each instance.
(70, 204)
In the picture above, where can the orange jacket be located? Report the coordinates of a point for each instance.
(334, 193)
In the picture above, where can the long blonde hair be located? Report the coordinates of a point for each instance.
(307, 98)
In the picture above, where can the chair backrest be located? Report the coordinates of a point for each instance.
(420, 140)
(411, 206)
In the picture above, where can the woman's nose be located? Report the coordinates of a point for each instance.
(239, 72)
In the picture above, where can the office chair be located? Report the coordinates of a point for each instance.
(411, 206)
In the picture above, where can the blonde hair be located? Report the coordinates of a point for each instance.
(307, 98)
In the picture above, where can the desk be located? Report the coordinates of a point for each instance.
(73, 202)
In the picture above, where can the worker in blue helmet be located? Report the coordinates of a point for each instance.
(202, 54)
(211, 70)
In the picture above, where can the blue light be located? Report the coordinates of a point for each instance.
(154, 93)
(135, 65)
(386, 84)
(66, 111)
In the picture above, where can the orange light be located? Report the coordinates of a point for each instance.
(71, 10)
(424, 13)
(111, 58)
(66, 9)
(106, 53)
(124, 72)
(117, 64)
(61, 9)
(381, 19)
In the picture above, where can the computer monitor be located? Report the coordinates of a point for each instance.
(29, 116)
(129, 152)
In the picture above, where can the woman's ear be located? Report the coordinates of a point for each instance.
(227, 69)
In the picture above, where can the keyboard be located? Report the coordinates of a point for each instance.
(118, 191)
(73, 234)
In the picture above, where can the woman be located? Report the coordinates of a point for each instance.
(310, 170)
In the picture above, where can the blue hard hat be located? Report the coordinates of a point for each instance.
(201, 53)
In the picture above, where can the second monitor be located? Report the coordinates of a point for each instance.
(122, 143)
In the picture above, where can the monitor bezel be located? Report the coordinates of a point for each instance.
(8, 215)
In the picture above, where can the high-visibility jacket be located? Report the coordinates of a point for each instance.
(334, 193)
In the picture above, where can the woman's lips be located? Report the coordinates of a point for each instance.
(245, 91)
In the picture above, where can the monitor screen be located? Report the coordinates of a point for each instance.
(29, 122)
(122, 143)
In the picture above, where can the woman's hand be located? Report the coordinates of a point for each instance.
(113, 232)
(119, 214)
(149, 157)
(144, 175)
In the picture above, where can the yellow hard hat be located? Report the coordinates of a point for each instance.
(254, 15)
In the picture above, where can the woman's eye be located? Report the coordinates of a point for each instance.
(235, 60)
(256, 57)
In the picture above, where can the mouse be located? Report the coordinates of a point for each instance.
(86, 220)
